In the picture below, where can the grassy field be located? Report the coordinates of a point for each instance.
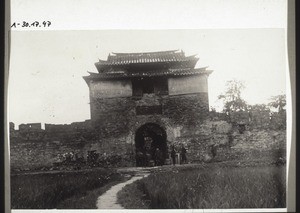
(132, 196)
(66, 190)
(206, 188)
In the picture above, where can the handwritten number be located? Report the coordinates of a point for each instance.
(46, 23)
(35, 24)
(25, 24)
(31, 24)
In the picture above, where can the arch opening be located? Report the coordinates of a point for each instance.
(151, 145)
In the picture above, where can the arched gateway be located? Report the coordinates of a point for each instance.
(150, 138)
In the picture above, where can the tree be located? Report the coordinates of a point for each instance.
(278, 102)
(259, 115)
(259, 107)
(232, 99)
(278, 119)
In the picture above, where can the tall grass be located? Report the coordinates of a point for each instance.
(248, 187)
(47, 190)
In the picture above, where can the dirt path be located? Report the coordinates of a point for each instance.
(108, 200)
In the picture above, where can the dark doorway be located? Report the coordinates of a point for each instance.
(150, 139)
(141, 86)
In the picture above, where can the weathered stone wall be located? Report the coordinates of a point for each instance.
(118, 112)
(206, 135)
(187, 84)
(186, 110)
(229, 142)
(111, 88)
(113, 128)
(32, 154)
(111, 116)
(114, 123)
(255, 145)
(28, 154)
(116, 119)
(253, 118)
(34, 126)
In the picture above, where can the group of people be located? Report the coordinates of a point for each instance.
(182, 153)
(157, 156)
(144, 158)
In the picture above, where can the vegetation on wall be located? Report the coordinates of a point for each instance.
(236, 110)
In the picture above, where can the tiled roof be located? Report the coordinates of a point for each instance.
(168, 72)
(145, 57)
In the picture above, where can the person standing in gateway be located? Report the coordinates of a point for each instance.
(173, 155)
(158, 157)
(183, 155)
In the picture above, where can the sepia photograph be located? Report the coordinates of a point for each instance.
(148, 119)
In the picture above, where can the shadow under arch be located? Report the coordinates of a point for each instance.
(148, 138)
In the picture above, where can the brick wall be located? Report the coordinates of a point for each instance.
(231, 145)
(28, 154)
(187, 110)
(183, 118)
(113, 117)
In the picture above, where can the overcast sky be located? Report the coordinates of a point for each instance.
(46, 69)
